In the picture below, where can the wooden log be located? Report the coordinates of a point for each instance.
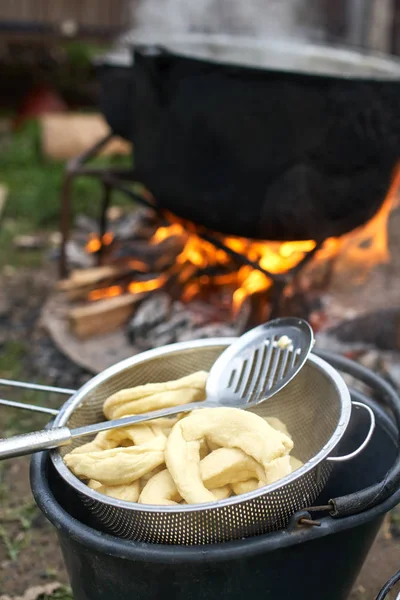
(102, 317)
(87, 277)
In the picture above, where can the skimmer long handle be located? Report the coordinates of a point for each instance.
(19, 445)
(47, 439)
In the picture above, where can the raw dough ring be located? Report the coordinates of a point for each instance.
(161, 490)
(154, 396)
(226, 427)
(134, 435)
(129, 493)
(118, 466)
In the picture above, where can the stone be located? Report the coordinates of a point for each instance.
(138, 224)
(29, 242)
(152, 312)
(77, 257)
(86, 224)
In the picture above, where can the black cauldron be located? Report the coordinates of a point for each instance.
(256, 140)
(314, 563)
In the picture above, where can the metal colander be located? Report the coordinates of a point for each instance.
(315, 407)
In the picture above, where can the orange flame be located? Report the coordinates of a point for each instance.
(201, 265)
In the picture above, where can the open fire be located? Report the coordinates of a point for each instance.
(171, 280)
(190, 267)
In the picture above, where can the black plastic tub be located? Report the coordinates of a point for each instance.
(314, 563)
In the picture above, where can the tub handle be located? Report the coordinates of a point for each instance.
(346, 457)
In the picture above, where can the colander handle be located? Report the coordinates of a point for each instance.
(358, 405)
(36, 386)
(377, 493)
(33, 386)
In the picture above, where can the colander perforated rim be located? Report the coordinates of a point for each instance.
(76, 400)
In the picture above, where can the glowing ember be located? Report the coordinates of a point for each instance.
(94, 243)
(138, 265)
(109, 292)
(138, 287)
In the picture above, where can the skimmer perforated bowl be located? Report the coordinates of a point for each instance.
(315, 406)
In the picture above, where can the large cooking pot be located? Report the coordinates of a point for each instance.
(263, 140)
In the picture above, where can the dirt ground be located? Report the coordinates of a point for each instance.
(29, 552)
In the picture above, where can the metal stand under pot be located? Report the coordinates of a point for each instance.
(312, 562)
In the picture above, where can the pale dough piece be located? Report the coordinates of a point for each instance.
(243, 487)
(278, 468)
(222, 492)
(142, 433)
(100, 442)
(278, 425)
(118, 466)
(225, 466)
(154, 396)
(130, 492)
(253, 484)
(227, 427)
(284, 342)
(161, 490)
(273, 421)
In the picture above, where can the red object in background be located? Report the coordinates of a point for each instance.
(37, 102)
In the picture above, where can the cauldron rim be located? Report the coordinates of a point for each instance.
(145, 552)
(328, 60)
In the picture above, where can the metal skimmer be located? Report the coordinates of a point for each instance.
(260, 363)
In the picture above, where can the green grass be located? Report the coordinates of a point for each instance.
(34, 182)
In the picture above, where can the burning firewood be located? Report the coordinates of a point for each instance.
(82, 284)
